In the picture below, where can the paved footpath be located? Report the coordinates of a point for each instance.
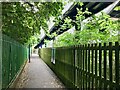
(38, 75)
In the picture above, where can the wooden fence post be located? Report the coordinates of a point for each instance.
(117, 65)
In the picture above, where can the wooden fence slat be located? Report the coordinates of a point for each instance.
(74, 69)
(117, 67)
(105, 64)
(89, 66)
(96, 66)
(100, 64)
(86, 66)
(92, 59)
(110, 61)
(92, 67)
(96, 60)
(100, 58)
(83, 66)
(80, 65)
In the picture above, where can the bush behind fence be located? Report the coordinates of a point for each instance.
(86, 66)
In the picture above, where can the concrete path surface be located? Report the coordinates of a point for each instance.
(38, 75)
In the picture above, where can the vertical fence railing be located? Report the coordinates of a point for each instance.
(87, 66)
(14, 56)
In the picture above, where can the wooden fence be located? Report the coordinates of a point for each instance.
(86, 66)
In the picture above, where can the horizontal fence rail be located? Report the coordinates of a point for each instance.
(14, 56)
(86, 66)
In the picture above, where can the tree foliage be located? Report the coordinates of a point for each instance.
(97, 29)
(23, 20)
(66, 39)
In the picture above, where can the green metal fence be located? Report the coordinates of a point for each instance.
(14, 56)
(86, 66)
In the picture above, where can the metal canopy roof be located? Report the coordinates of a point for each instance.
(93, 7)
